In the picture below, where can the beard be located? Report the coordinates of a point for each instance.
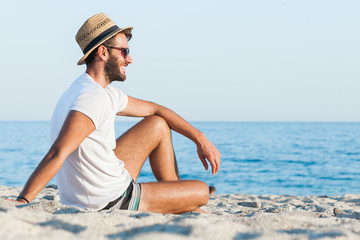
(112, 70)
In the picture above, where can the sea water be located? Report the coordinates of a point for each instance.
(256, 157)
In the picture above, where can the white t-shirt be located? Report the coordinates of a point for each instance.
(92, 175)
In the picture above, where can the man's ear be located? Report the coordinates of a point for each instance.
(103, 53)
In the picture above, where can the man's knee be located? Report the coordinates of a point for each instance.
(158, 123)
(202, 193)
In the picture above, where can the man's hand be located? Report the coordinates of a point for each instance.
(207, 151)
(75, 129)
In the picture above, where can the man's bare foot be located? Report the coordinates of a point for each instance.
(199, 211)
(212, 189)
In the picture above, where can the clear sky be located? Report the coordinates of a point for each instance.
(254, 60)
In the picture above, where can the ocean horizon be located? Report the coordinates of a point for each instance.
(288, 158)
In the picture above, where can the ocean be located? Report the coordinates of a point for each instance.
(289, 158)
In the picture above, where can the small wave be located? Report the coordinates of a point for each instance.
(353, 153)
(234, 159)
(305, 163)
(10, 150)
(344, 152)
(307, 147)
(251, 160)
(300, 175)
(337, 178)
(299, 186)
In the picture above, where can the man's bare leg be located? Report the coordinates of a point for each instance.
(173, 197)
(149, 138)
(152, 137)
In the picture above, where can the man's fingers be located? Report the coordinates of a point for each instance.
(203, 160)
(215, 163)
(216, 160)
(211, 155)
(215, 168)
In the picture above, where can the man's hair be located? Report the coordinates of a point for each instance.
(110, 42)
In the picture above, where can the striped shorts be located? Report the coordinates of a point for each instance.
(129, 200)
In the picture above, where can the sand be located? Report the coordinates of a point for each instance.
(230, 216)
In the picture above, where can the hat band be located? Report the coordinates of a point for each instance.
(98, 38)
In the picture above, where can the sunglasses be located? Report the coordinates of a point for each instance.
(124, 51)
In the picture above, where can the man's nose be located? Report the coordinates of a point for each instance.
(128, 59)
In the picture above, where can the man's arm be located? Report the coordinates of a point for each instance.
(206, 150)
(76, 128)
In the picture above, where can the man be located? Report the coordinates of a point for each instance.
(93, 169)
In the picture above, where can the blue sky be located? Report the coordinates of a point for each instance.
(207, 60)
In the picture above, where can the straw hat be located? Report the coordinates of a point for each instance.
(95, 31)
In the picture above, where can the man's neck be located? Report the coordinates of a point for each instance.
(98, 74)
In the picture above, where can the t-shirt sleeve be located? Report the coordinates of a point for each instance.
(119, 98)
(93, 104)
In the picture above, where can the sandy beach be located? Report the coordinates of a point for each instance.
(229, 216)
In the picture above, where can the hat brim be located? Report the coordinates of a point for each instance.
(127, 29)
